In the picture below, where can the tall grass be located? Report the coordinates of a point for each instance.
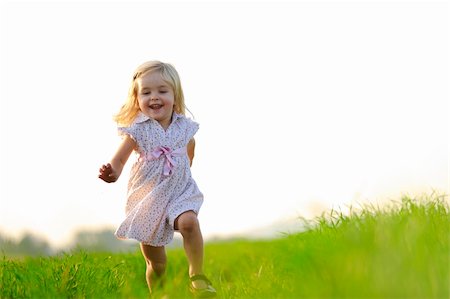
(399, 251)
(396, 251)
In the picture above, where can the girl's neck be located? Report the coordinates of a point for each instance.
(165, 124)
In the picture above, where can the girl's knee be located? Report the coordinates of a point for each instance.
(155, 258)
(187, 223)
(159, 268)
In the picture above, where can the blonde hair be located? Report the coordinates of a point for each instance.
(130, 109)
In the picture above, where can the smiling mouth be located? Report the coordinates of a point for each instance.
(155, 106)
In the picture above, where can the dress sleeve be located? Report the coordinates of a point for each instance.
(192, 128)
(131, 131)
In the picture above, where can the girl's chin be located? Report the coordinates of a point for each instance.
(156, 113)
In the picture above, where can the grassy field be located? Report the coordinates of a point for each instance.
(398, 251)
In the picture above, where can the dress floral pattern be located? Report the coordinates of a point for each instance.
(156, 196)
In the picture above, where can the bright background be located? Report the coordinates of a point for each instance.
(303, 106)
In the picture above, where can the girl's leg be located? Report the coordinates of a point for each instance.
(155, 258)
(189, 227)
(187, 224)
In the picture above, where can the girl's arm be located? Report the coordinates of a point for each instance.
(111, 171)
(190, 150)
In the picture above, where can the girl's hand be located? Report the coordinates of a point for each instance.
(107, 173)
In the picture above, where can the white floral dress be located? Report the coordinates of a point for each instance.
(160, 186)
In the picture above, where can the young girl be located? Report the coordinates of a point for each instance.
(162, 195)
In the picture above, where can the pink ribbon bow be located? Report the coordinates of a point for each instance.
(168, 154)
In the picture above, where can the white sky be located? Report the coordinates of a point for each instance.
(302, 106)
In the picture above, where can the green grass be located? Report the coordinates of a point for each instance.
(397, 251)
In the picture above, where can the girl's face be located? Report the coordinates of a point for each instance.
(156, 98)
